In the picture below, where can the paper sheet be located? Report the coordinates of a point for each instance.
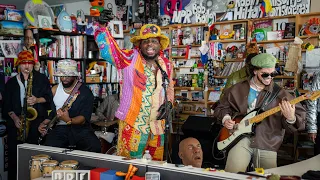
(313, 58)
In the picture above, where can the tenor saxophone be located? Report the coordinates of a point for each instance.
(30, 114)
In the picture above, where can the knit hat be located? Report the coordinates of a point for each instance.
(264, 60)
(67, 67)
(151, 31)
(25, 57)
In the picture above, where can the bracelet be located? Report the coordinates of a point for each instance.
(69, 122)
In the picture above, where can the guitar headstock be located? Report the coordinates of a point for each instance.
(313, 95)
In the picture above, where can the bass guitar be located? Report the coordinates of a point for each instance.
(244, 126)
(55, 120)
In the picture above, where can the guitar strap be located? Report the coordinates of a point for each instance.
(74, 91)
(270, 97)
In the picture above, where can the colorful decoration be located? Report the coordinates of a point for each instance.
(131, 171)
(140, 12)
(64, 22)
(265, 7)
(227, 35)
(97, 7)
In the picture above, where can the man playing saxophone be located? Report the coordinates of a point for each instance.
(38, 100)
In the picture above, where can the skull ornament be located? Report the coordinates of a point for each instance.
(165, 20)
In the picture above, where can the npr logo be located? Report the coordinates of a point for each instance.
(71, 175)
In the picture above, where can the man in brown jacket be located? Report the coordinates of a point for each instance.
(248, 95)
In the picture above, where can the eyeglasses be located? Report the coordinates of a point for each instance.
(266, 75)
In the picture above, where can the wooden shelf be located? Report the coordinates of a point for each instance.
(189, 88)
(184, 46)
(275, 41)
(231, 22)
(232, 60)
(310, 36)
(229, 40)
(310, 14)
(274, 17)
(211, 103)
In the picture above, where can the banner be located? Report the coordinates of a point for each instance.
(205, 11)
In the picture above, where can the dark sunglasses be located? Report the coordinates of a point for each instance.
(266, 75)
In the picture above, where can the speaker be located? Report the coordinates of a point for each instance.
(200, 127)
(205, 130)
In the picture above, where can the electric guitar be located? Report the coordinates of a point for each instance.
(244, 126)
(55, 120)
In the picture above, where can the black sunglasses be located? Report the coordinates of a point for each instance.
(266, 75)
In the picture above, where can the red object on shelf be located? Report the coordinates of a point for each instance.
(95, 173)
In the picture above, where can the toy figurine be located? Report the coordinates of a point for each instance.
(140, 12)
(97, 7)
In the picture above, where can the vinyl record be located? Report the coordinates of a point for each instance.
(34, 8)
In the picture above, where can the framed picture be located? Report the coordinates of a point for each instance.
(116, 28)
(10, 48)
(44, 21)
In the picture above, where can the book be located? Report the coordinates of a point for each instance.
(289, 31)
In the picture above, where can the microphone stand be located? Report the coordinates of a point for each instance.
(165, 82)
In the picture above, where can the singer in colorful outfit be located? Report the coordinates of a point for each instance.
(142, 94)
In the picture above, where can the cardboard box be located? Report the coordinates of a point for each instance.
(110, 175)
(92, 79)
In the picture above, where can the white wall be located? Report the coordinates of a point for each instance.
(85, 6)
(315, 6)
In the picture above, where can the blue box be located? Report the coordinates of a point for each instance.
(110, 175)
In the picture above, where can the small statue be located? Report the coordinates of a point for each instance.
(140, 12)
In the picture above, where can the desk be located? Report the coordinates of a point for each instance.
(299, 168)
(89, 159)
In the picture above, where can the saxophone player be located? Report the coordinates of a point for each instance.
(14, 99)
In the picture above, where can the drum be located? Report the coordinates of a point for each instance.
(69, 165)
(35, 165)
(48, 167)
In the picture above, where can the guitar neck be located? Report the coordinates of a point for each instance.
(262, 116)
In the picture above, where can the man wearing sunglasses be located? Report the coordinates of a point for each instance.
(249, 95)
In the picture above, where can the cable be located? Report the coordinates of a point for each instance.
(213, 148)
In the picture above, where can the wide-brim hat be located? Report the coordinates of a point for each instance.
(25, 57)
(67, 67)
(151, 31)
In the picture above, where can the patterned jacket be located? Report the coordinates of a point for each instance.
(313, 107)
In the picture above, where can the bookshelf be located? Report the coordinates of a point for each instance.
(76, 46)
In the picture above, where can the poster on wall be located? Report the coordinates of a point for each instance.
(206, 11)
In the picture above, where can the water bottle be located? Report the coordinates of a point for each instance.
(146, 157)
